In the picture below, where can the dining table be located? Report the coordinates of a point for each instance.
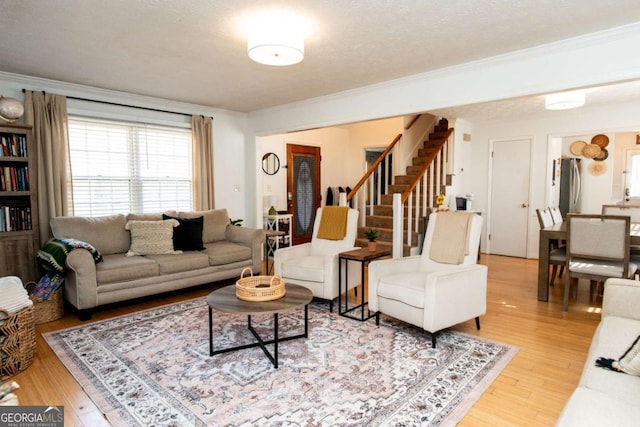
(559, 232)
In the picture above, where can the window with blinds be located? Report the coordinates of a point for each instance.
(120, 167)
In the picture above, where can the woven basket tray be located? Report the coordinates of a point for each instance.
(17, 342)
(259, 288)
(50, 310)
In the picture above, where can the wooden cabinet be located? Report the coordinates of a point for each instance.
(19, 231)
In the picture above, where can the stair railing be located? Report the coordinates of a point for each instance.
(384, 175)
(420, 195)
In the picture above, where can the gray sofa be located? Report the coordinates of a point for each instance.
(605, 397)
(228, 249)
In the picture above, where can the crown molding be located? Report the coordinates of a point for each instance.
(107, 95)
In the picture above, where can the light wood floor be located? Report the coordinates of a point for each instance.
(531, 391)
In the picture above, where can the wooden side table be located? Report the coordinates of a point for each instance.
(363, 256)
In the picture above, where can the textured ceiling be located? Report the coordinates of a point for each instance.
(195, 50)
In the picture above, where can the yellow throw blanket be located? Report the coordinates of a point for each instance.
(333, 223)
(450, 242)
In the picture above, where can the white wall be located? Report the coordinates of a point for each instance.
(461, 184)
(228, 129)
(342, 150)
(584, 121)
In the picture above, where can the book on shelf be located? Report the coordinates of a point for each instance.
(13, 145)
(14, 178)
(15, 218)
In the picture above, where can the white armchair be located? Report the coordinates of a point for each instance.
(314, 265)
(429, 294)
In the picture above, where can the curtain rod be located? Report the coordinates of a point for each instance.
(125, 105)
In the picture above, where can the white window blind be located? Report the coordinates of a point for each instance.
(120, 167)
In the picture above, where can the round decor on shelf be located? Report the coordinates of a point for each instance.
(600, 140)
(597, 168)
(576, 148)
(604, 153)
(591, 151)
(10, 109)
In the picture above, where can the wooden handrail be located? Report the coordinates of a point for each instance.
(411, 123)
(430, 159)
(373, 167)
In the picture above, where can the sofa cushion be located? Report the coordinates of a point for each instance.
(151, 237)
(224, 252)
(591, 408)
(106, 233)
(186, 261)
(407, 288)
(309, 268)
(215, 222)
(119, 267)
(187, 236)
(612, 338)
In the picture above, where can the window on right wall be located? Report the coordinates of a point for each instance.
(632, 176)
(121, 167)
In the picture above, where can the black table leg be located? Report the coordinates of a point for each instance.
(210, 332)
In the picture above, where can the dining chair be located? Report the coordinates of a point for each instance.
(633, 212)
(597, 249)
(556, 215)
(557, 251)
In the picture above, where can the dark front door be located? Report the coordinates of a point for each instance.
(303, 189)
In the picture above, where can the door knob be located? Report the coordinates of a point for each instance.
(524, 205)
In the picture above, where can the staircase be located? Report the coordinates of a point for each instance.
(382, 220)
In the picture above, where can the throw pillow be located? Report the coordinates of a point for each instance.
(629, 363)
(188, 235)
(151, 237)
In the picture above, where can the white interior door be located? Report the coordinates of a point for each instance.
(509, 211)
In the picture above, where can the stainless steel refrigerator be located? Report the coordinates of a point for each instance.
(569, 186)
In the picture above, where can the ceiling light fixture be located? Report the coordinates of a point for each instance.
(276, 48)
(564, 100)
(277, 38)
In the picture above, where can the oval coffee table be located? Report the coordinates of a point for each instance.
(225, 300)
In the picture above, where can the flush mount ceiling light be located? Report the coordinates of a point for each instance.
(276, 38)
(564, 100)
(276, 49)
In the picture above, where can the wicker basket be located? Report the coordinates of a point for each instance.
(50, 310)
(259, 288)
(18, 341)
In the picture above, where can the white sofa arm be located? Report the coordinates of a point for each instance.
(621, 298)
(381, 268)
(454, 296)
(81, 286)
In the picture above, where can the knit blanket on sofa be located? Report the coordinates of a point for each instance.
(52, 257)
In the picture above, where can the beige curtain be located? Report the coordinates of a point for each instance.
(202, 129)
(47, 113)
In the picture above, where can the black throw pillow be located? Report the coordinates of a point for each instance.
(188, 235)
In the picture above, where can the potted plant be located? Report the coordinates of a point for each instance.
(372, 236)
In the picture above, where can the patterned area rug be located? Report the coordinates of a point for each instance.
(153, 368)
